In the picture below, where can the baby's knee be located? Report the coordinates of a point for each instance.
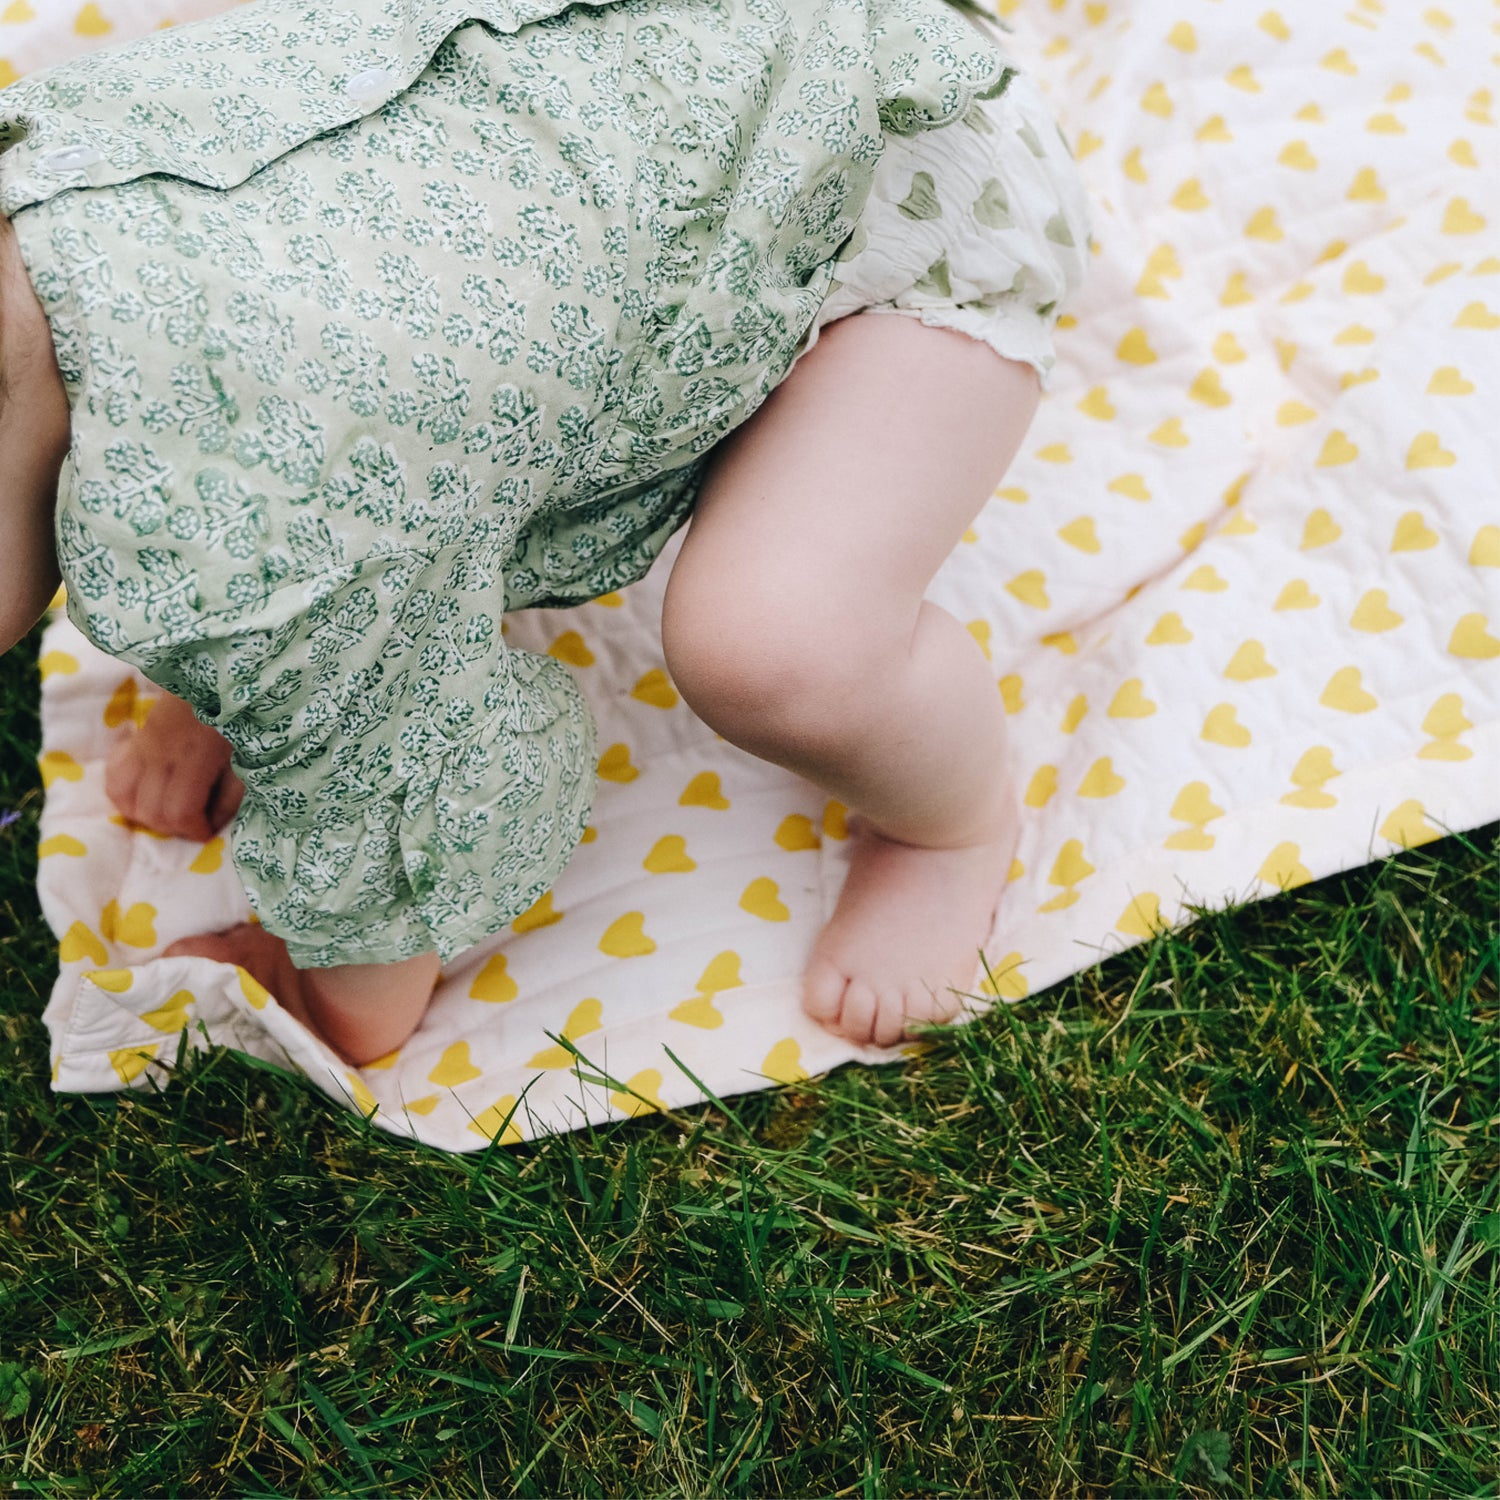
(764, 678)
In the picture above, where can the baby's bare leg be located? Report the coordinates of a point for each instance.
(363, 1011)
(794, 625)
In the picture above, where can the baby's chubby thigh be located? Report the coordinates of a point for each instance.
(823, 518)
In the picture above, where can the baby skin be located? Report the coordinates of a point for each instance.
(794, 625)
(876, 453)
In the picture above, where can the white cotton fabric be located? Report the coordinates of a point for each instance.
(1002, 276)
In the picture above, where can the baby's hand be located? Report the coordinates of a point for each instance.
(172, 774)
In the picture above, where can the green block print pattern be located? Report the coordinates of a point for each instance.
(352, 374)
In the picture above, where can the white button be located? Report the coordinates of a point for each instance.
(68, 158)
(371, 82)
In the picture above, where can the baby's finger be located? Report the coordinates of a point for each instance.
(187, 791)
(857, 1017)
(228, 793)
(122, 774)
(163, 800)
(152, 791)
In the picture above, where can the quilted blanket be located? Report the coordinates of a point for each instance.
(1238, 593)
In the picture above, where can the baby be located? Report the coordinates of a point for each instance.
(327, 335)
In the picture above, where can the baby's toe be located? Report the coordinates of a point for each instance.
(930, 1005)
(823, 991)
(857, 1018)
(890, 1018)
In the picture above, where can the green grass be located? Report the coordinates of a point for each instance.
(1217, 1217)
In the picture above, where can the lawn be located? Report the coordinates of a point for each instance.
(1218, 1217)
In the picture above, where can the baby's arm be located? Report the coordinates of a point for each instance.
(28, 569)
(34, 435)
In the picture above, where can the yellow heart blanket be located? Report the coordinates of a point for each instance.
(1239, 593)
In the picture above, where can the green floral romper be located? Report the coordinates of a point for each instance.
(378, 318)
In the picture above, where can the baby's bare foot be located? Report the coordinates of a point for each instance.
(909, 923)
(263, 957)
(362, 1011)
